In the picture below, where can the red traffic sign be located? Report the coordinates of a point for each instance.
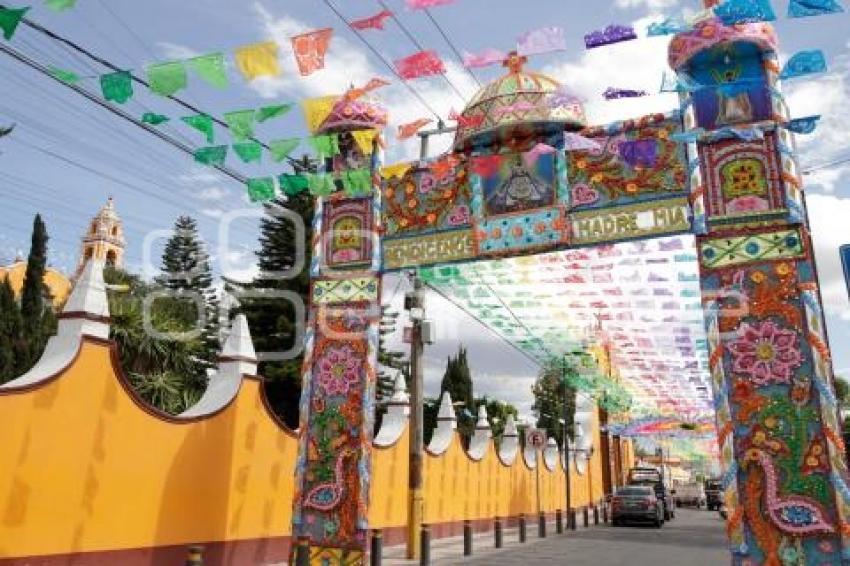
(535, 437)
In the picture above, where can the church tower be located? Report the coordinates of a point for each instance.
(104, 238)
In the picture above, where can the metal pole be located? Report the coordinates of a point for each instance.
(377, 548)
(539, 454)
(570, 522)
(425, 542)
(498, 533)
(416, 426)
(467, 538)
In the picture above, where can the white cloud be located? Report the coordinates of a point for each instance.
(197, 176)
(350, 63)
(829, 216)
(637, 65)
(176, 51)
(211, 193)
(213, 212)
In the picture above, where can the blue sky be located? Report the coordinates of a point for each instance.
(152, 183)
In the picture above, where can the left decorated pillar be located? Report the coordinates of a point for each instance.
(333, 466)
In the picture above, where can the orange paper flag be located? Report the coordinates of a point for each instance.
(310, 49)
(406, 131)
(374, 84)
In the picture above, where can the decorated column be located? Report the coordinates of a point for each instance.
(780, 444)
(338, 382)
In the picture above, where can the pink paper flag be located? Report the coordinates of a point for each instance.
(542, 40)
(423, 4)
(484, 58)
(530, 157)
(422, 64)
(577, 142)
(310, 49)
(372, 22)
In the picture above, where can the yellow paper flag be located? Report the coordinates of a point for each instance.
(316, 110)
(395, 170)
(258, 60)
(365, 140)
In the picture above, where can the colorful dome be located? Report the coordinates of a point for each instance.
(354, 114)
(710, 32)
(519, 102)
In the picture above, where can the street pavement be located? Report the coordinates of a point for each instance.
(693, 538)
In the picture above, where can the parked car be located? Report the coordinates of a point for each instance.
(652, 477)
(636, 503)
(689, 495)
(713, 494)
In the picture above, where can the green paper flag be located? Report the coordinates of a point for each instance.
(64, 76)
(9, 20)
(154, 119)
(325, 146)
(321, 184)
(117, 87)
(248, 151)
(241, 124)
(203, 123)
(59, 5)
(269, 112)
(212, 155)
(292, 185)
(210, 68)
(166, 78)
(358, 182)
(280, 149)
(260, 189)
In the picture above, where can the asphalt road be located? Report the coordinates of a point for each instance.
(693, 538)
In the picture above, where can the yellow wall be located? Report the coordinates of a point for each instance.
(84, 467)
(58, 284)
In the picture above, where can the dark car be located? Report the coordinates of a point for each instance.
(713, 494)
(636, 503)
(652, 477)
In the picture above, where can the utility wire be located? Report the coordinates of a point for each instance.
(109, 65)
(451, 46)
(383, 59)
(15, 54)
(828, 164)
(418, 45)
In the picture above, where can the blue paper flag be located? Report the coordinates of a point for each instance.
(733, 12)
(668, 27)
(804, 8)
(744, 134)
(804, 63)
(805, 125)
(680, 83)
(687, 137)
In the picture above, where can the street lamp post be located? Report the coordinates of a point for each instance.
(414, 304)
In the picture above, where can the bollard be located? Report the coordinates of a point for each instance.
(377, 547)
(585, 512)
(559, 522)
(605, 513)
(425, 550)
(522, 528)
(571, 519)
(195, 556)
(541, 525)
(497, 532)
(302, 552)
(467, 538)
(596, 514)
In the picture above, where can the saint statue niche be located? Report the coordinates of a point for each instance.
(347, 246)
(733, 90)
(519, 188)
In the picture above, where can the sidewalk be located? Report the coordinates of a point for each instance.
(450, 550)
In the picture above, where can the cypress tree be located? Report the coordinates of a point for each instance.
(186, 268)
(273, 321)
(457, 380)
(35, 330)
(389, 359)
(10, 333)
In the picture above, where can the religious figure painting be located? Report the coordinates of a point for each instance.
(519, 186)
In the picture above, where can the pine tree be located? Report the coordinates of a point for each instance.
(10, 333)
(552, 393)
(273, 321)
(35, 330)
(186, 269)
(457, 380)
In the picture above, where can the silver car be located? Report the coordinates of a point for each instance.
(637, 503)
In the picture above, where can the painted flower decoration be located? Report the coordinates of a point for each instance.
(339, 369)
(766, 353)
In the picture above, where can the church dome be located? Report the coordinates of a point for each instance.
(519, 104)
(712, 32)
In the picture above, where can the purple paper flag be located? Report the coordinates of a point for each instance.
(542, 40)
(639, 153)
(612, 93)
(483, 58)
(670, 245)
(612, 34)
(577, 142)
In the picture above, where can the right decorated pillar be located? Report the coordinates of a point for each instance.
(782, 454)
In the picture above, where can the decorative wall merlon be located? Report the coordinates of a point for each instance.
(446, 425)
(510, 442)
(396, 417)
(481, 438)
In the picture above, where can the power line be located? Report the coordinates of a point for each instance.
(109, 65)
(377, 54)
(15, 54)
(451, 46)
(828, 164)
(418, 45)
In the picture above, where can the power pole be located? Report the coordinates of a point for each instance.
(414, 303)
